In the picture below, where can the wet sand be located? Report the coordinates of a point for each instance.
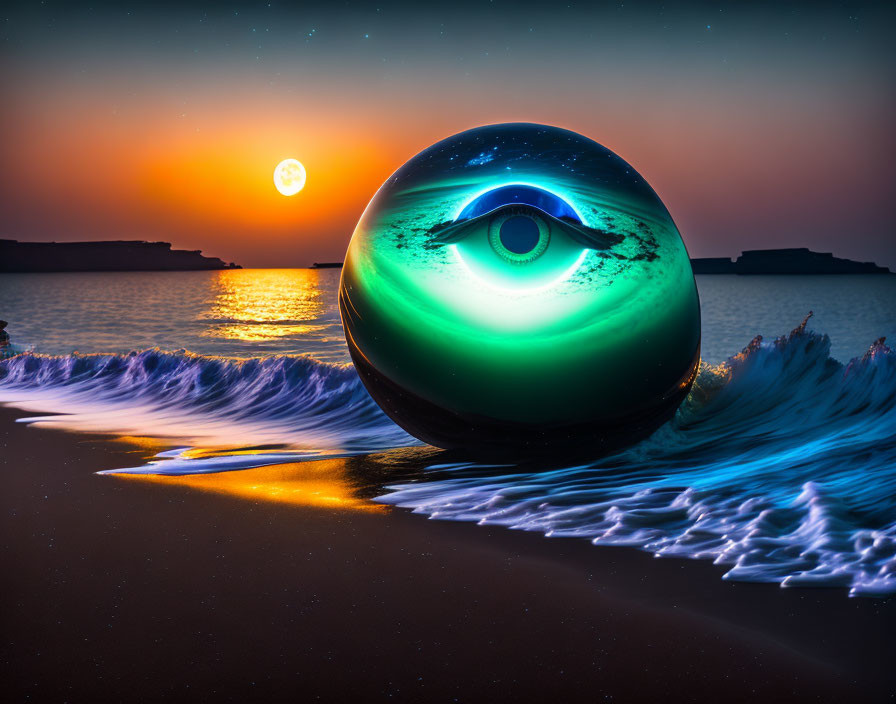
(114, 589)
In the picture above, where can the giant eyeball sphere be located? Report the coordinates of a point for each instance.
(519, 287)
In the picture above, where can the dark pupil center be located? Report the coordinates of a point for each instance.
(519, 234)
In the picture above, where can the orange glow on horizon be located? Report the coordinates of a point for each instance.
(199, 179)
(227, 182)
(190, 161)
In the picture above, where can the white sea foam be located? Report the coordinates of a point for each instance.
(781, 466)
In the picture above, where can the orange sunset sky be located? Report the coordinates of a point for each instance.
(758, 130)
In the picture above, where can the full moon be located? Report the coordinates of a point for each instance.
(289, 177)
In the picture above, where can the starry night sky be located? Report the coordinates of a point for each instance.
(761, 126)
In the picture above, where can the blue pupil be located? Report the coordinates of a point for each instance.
(519, 234)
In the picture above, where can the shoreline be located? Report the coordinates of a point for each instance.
(117, 587)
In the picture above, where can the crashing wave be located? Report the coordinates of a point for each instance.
(286, 401)
(781, 466)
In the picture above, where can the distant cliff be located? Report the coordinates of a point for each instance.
(784, 261)
(116, 255)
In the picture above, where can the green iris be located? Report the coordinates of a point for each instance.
(519, 237)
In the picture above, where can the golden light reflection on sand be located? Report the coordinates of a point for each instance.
(144, 445)
(255, 305)
(319, 483)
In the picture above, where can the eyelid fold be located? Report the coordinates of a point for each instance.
(589, 237)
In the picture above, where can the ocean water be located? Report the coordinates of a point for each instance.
(780, 466)
(240, 313)
(247, 313)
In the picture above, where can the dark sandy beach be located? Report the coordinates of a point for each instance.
(123, 590)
